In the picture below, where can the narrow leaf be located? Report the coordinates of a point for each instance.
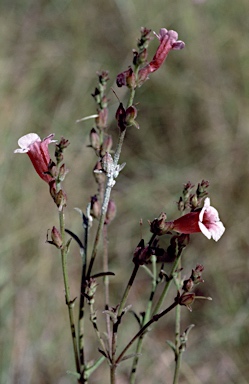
(75, 237)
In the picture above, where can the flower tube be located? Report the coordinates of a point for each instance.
(37, 150)
(206, 221)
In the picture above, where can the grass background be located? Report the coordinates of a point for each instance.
(194, 121)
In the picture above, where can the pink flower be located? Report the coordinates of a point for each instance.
(168, 41)
(37, 150)
(206, 221)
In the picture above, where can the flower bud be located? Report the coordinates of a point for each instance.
(59, 148)
(56, 238)
(197, 274)
(95, 207)
(103, 77)
(52, 188)
(107, 163)
(96, 95)
(63, 171)
(188, 285)
(140, 58)
(143, 42)
(181, 205)
(61, 199)
(64, 143)
(91, 290)
(107, 145)
(52, 169)
(142, 253)
(94, 139)
(111, 212)
(187, 299)
(130, 79)
(194, 201)
(201, 189)
(98, 173)
(121, 116)
(101, 119)
(159, 226)
(121, 79)
(127, 78)
(131, 114)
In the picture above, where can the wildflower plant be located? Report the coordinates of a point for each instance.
(196, 216)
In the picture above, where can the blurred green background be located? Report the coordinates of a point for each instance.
(194, 120)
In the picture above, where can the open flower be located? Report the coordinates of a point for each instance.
(206, 221)
(37, 150)
(168, 41)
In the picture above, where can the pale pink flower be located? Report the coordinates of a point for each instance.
(206, 221)
(168, 41)
(37, 150)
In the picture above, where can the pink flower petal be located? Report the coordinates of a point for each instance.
(25, 141)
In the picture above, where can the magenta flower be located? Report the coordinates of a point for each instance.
(37, 150)
(168, 41)
(206, 221)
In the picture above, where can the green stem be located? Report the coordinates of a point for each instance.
(113, 366)
(131, 281)
(69, 302)
(82, 300)
(145, 320)
(93, 319)
(106, 285)
(167, 285)
(97, 363)
(178, 353)
(127, 290)
(177, 368)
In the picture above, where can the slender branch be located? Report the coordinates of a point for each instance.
(82, 297)
(97, 363)
(145, 319)
(127, 290)
(167, 285)
(113, 353)
(106, 284)
(178, 353)
(144, 328)
(93, 319)
(177, 369)
(70, 304)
